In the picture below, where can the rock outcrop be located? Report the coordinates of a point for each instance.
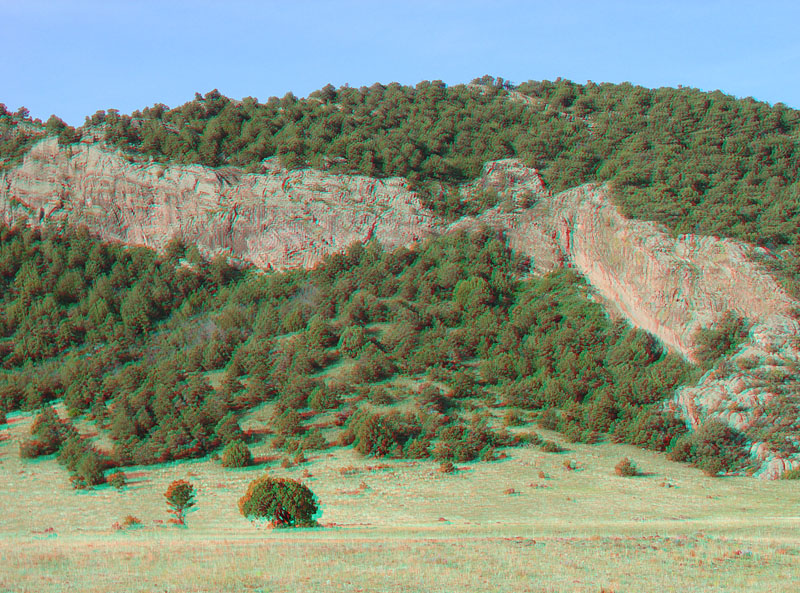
(281, 219)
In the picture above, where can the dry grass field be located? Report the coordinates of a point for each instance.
(392, 525)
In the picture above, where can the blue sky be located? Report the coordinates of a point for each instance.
(74, 57)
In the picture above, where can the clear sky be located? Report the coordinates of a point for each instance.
(73, 57)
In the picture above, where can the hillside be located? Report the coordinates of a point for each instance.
(230, 179)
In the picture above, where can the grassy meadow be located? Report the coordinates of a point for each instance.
(523, 523)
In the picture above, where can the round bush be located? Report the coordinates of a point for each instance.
(285, 502)
(626, 468)
(236, 454)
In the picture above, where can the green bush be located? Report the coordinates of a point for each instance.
(791, 474)
(228, 429)
(287, 423)
(48, 431)
(626, 468)
(381, 435)
(719, 341)
(713, 447)
(548, 420)
(29, 449)
(711, 466)
(287, 503)
(417, 448)
(236, 454)
(313, 440)
(117, 480)
(88, 471)
(551, 447)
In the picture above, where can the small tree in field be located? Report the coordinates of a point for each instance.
(286, 503)
(180, 498)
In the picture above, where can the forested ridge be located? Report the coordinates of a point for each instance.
(396, 353)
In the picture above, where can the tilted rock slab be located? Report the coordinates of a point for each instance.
(282, 219)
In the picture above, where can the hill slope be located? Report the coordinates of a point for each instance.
(283, 219)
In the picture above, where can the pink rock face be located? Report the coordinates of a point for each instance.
(281, 219)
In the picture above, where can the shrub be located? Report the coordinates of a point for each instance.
(372, 365)
(117, 480)
(288, 423)
(228, 429)
(323, 398)
(180, 498)
(626, 468)
(791, 474)
(352, 340)
(236, 454)
(655, 429)
(418, 448)
(374, 436)
(713, 447)
(488, 453)
(513, 418)
(131, 521)
(711, 466)
(379, 396)
(548, 420)
(551, 447)
(719, 341)
(346, 438)
(432, 398)
(89, 470)
(29, 449)
(381, 435)
(284, 502)
(314, 440)
(447, 467)
(48, 432)
(531, 438)
(71, 452)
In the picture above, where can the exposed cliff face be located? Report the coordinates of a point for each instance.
(279, 219)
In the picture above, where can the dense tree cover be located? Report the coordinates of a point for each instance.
(452, 317)
(697, 161)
